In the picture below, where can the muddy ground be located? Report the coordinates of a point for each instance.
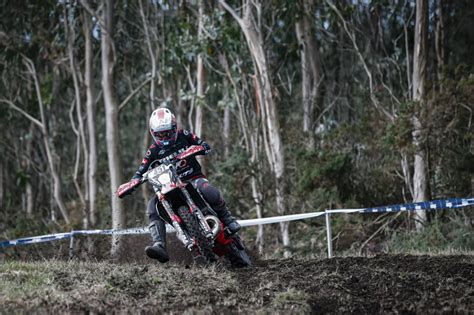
(381, 284)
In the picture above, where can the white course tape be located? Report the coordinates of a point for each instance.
(345, 210)
(435, 204)
(282, 218)
(144, 230)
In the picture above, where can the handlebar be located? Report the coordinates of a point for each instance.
(127, 188)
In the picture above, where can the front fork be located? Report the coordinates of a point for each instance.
(195, 211)
(188, 242)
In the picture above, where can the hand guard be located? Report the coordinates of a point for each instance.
(192, 150)
(127, 188)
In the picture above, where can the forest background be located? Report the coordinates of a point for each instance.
(308, 105)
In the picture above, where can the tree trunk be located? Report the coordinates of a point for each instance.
(151, 55)
(146, 143)
(200, 96)
(29, 186)
(200, 85)
(257, 197)
(274, 150)
(91, 118)
(180, 111)
(200, 75)
(310, 71)
(439, 41)
(81, 138)
(226, 128)
(111, 122)
(49, 146)
(226, 114)
(420, 182)
(250, 130)
(404, 159)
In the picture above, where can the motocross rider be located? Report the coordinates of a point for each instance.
(168, 143)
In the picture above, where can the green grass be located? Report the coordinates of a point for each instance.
(84, 285)
(292, 300)
(18, 278)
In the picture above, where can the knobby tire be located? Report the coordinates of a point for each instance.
(191, 224)
(238, 255)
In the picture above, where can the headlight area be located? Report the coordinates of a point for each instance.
(164, 178)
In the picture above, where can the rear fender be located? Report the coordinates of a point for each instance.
(221, 239)
(221, 244)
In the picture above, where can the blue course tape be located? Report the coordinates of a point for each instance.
(36, 239)
(59, 236)
(427, 205)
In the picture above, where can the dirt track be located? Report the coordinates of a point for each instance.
(383, 284)
(420, 284)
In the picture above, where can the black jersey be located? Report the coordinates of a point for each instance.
(185, 139)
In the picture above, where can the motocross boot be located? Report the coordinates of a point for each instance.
(158, 234)
(231, 225)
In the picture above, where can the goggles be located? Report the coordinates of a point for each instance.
(164, 135)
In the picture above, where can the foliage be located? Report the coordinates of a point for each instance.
(354, 160)
(232, 177)
(443, 234)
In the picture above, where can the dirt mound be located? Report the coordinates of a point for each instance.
(382, 284)
(387, 283)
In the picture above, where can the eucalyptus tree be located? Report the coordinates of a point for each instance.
(250, 127)
(250, 21)
(69, 21)
(420, 176)
(311, 73)
(108, 62)
(31, 75)
(384, 63)
(91, 116)
(111, 117)
(200, 73)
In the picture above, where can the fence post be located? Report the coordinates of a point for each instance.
(329, 233)
(71, 245)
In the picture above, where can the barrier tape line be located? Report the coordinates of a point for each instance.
(428, 205)
(279, 219)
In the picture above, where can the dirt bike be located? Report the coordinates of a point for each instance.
(195, 222)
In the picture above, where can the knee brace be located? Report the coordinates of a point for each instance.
(211, 193)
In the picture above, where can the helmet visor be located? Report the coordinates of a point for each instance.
(164, 135)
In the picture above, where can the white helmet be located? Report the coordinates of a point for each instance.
(163, 127)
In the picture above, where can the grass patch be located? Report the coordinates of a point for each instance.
(74, 285)
(18, 278)
(292, 300)
(454, 235)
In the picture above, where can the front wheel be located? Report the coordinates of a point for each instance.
(201, 247)
(237, 254)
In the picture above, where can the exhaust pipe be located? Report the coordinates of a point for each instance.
(214, 224)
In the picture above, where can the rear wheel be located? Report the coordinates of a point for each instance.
(201, 249)
(237, 254)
